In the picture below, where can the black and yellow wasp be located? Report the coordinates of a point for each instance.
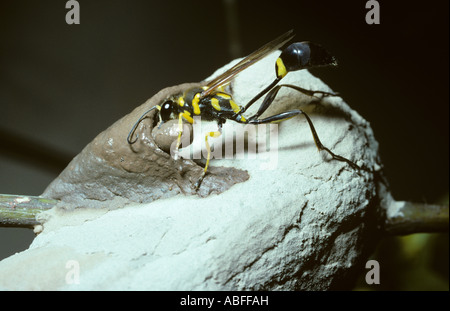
(212, 103)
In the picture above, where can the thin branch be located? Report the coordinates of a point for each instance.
(21, 211)
(406, 217)
(401, 218)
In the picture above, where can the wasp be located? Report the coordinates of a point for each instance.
(213, 103)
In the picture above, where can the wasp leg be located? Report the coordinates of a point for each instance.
(273, 93)
(260, 94)
(188, 118)
(290, 114)
(297, 56)
(180, 130)
(208, 148)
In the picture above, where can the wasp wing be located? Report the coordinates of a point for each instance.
(251, 59)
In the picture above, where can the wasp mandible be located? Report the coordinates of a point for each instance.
(213, 103)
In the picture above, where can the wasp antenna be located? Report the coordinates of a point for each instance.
(133, 129)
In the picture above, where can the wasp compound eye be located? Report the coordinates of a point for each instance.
(166, 110)
(302, 55)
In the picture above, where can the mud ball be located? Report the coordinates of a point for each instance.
(166, 135)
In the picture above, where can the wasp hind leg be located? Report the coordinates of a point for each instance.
(290, 114)
(268, 100)
(214, 134)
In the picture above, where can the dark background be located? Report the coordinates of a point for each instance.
(60, 85)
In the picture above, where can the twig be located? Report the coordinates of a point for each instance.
(21, 211)
(401, 218)
(406, 217)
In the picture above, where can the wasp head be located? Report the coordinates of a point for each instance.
(167, 111)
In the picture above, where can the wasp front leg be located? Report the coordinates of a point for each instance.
(182, 115)
(214, 134)
(180, 133)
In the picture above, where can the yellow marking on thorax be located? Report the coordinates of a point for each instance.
(187, 115)
(215, 103)
(234, 106)
(223, 87)
(195, 101)
(180, 101)
(223, 95)
(281, 68)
